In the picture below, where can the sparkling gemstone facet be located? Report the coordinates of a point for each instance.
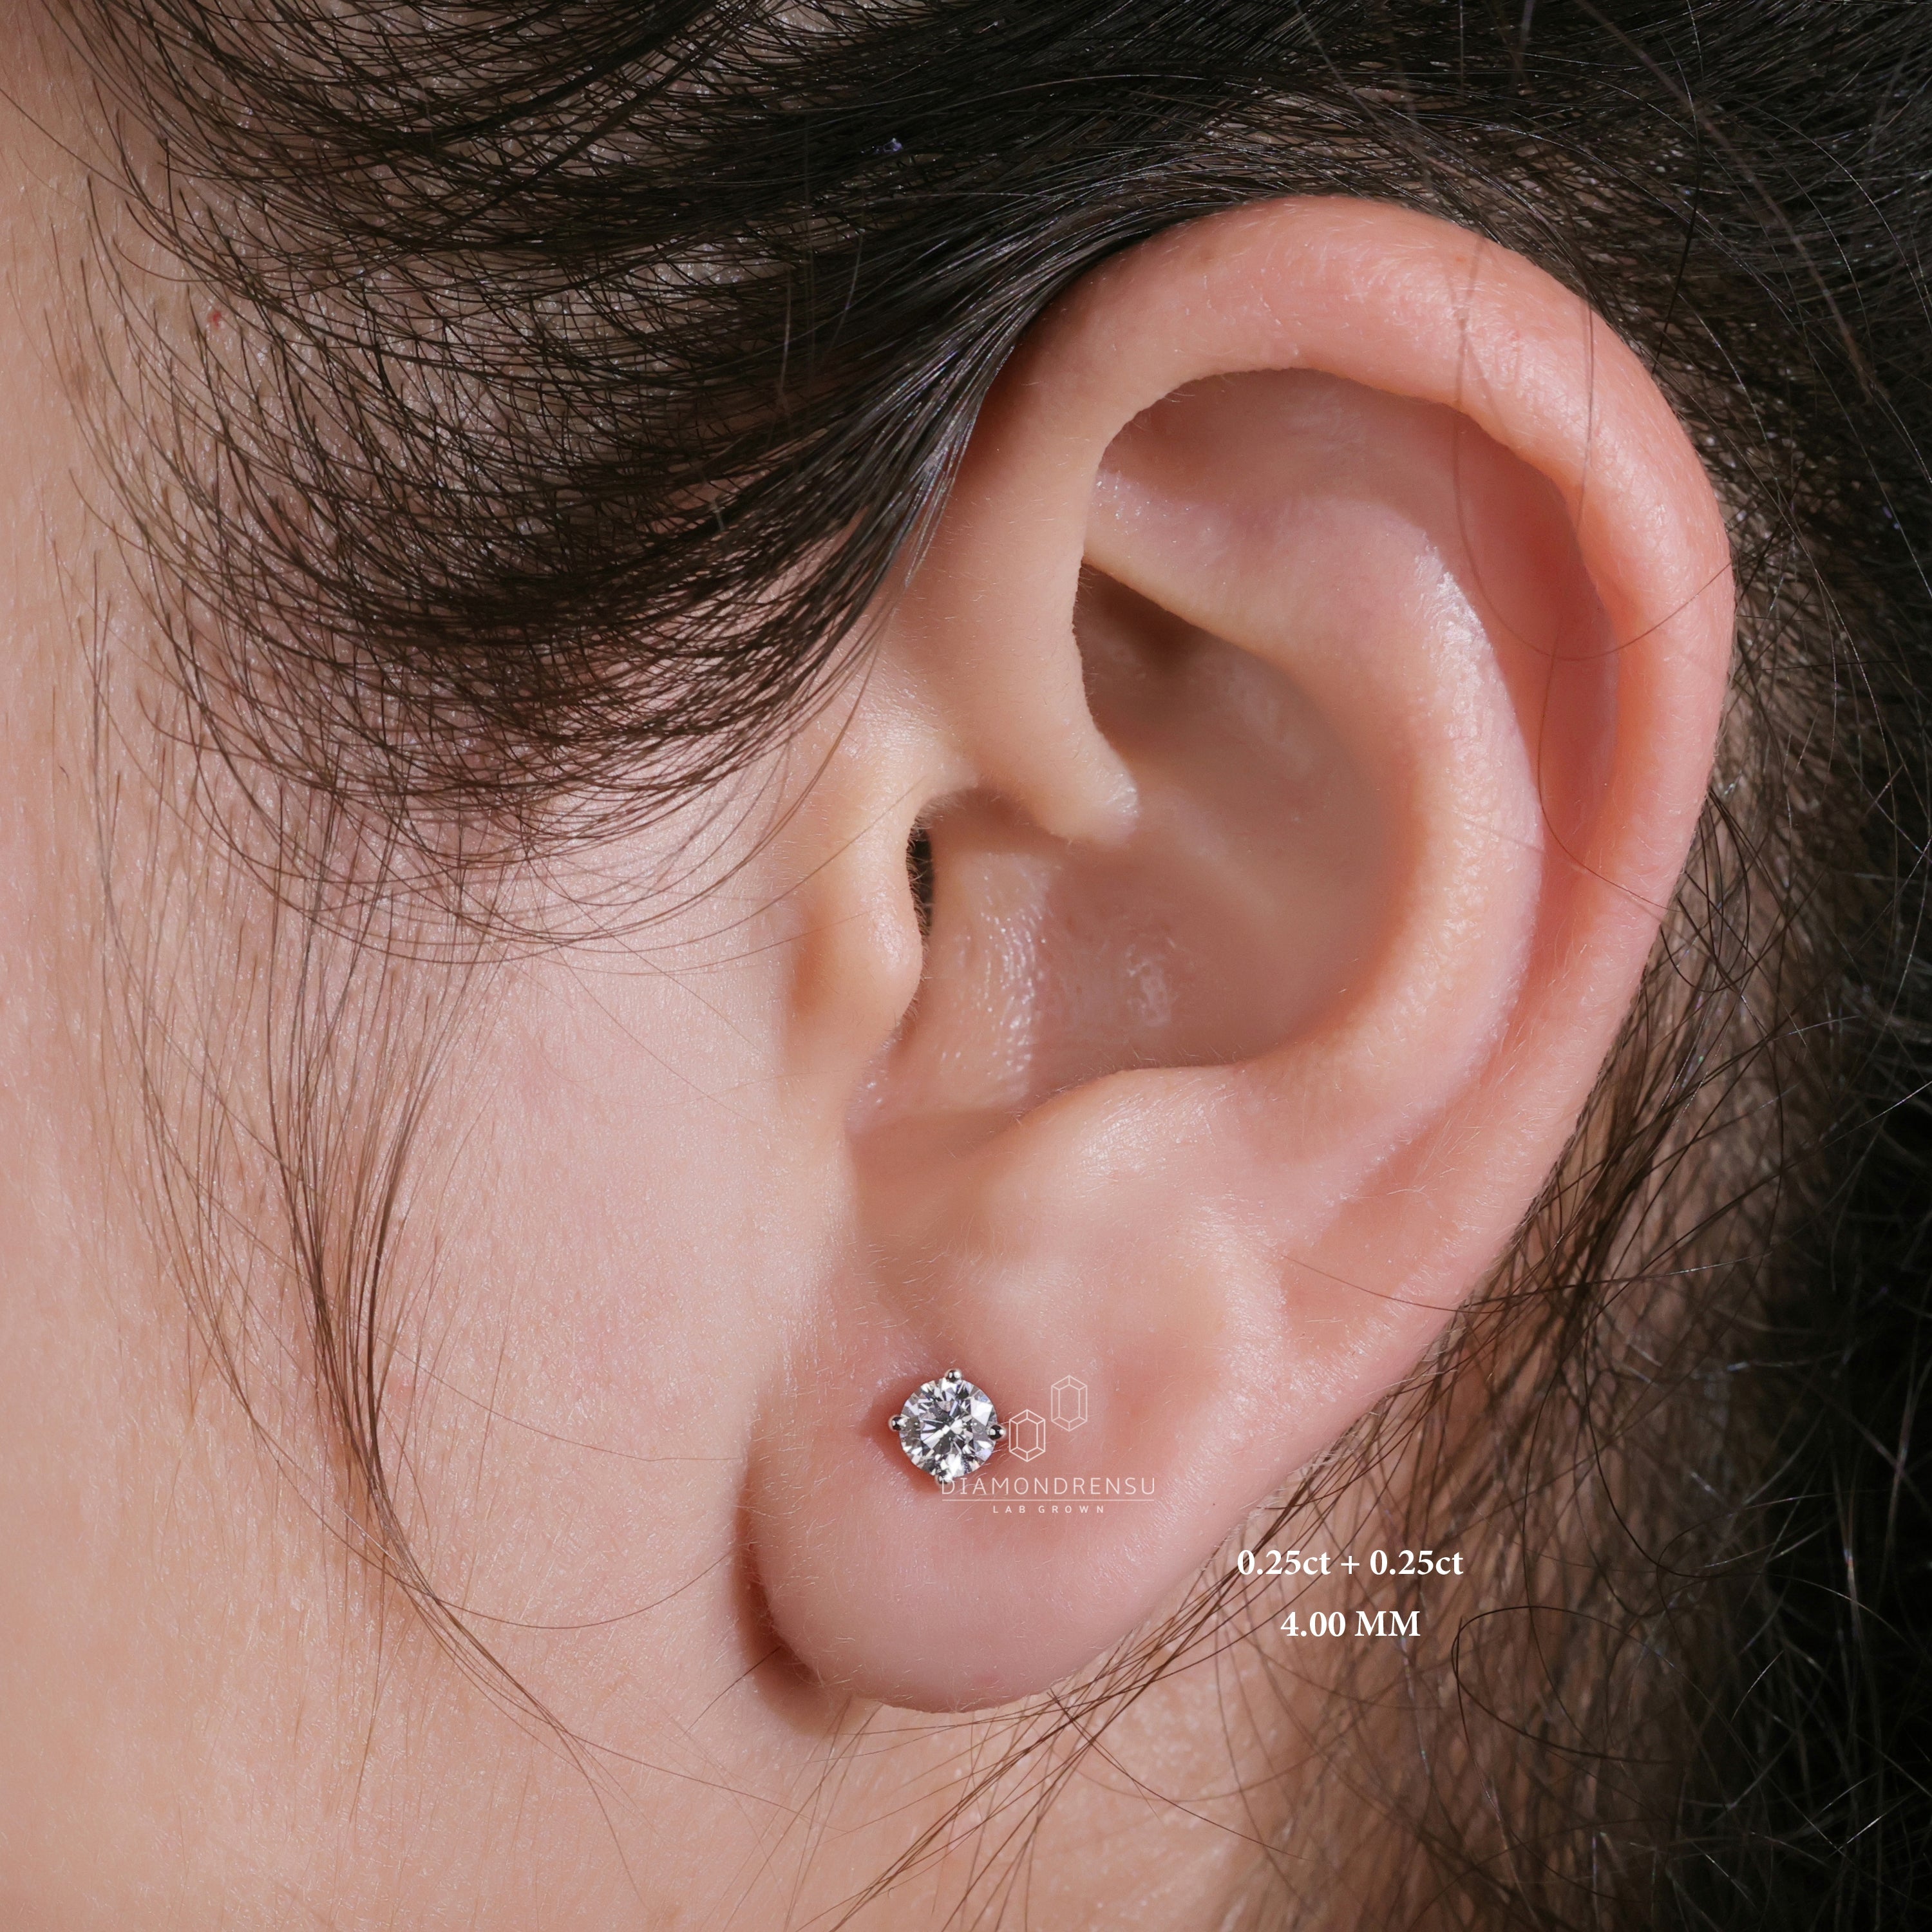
(948, 1427)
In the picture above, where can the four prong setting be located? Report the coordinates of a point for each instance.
(948, 1428)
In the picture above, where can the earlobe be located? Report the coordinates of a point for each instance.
(1326, 639)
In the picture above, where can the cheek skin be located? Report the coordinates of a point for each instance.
(598, 1314)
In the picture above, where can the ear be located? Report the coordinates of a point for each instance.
(1308, 698)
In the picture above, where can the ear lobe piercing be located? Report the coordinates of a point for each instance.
(948, 1427)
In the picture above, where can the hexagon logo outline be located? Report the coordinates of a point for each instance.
(1026, 1436)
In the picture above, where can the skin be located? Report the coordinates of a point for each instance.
(1293, 877)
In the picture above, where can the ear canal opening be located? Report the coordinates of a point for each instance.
(920, 878)
(1236, 914)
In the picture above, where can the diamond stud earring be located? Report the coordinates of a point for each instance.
(948, 1428)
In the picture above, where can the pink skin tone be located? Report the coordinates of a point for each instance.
(1294, 869)
(1515, 664)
